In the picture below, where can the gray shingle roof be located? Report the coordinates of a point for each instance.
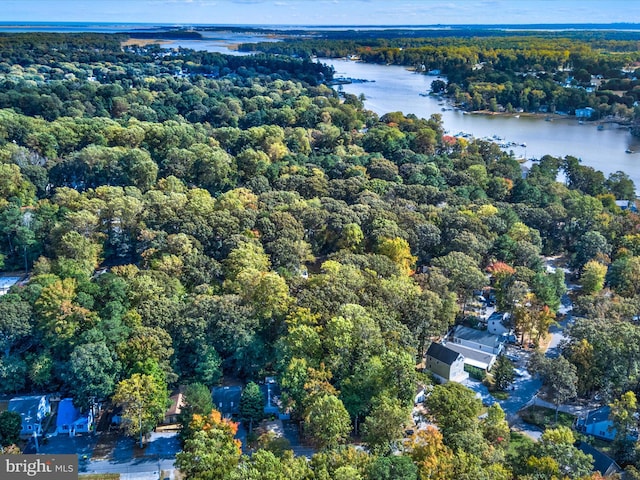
(442, 353)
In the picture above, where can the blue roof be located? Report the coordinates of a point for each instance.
(67, 412)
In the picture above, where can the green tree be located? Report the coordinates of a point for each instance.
(327, 422)
(91, 373)
(144, 399)
(463, 273)
(210, 452)
(393, 468)
(10, 426)
(558, 375)
(593, 276)
(252, 404)
(455, 409)
(384, 426)
(15, 322)
(495, 428)
(503, 373)
(623, 416)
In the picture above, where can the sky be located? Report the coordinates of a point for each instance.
(322, 12)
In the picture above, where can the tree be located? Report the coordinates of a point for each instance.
(593, 276)
(503, 373)
(393, 468)
(327, 422)
(252, 404)
(623, 415)
(463, 273)
(211, 452)
(10, 426)
(15, 322)
(198, 400)
(397, 249)
(455, 409)
(385, 424)
(495, 428)
(558, 374)
(432, 457)
(555, 454)
(91, 373)
(144, 399)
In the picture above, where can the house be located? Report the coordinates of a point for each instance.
(476, 339)
(446, 365)
(71, 421)
(498, 323)
(483, 360)
(33, 411)
(597, 423)
(171, 416)
(584, 112)
(601, 463)
(627, 205)
(227, 400)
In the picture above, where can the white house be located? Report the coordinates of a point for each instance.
(483, 360)
(71, 420)
(33, 410)
(476, 339)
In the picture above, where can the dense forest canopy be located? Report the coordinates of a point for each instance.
(186, 215)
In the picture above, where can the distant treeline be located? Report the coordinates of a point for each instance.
(174, 34)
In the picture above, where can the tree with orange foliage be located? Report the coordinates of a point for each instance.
(433, 458)
(211, 452)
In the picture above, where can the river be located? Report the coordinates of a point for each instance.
(393, 88)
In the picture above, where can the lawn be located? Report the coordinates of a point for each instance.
(517, 441)
(545, 417)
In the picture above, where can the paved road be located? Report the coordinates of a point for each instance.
(159, 455)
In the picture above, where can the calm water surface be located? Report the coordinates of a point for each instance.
(397, 89)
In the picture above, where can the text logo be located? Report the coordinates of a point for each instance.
(40, 467)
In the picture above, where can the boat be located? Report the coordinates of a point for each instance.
(600, 127)
(628, 150)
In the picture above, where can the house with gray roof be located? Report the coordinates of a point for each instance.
(474, 358)
(597, 423)
(33, 410)
(601, 463)
(227, 400)
(480, 340)
(446, 365)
